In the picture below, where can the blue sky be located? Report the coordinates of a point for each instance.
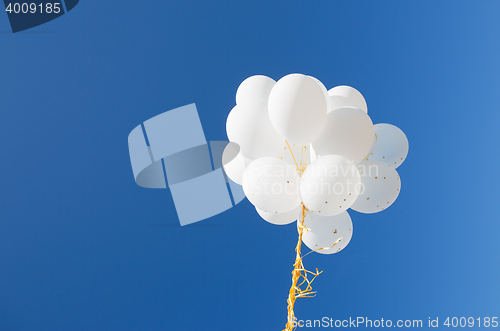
(82, 247)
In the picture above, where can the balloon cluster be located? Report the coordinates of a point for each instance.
(295, 145)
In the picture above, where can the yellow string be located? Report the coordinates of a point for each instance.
(302, 160)
(299, 271)
(298, 267)
(298, 168)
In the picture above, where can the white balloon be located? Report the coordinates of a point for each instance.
(330, 185)
(281, 218)
(272, 185)
(234, 163)
(251, 128)
(346, 96)
(389, 146)
(297, 108)
(380, 187)
(348, 132)
(322, 232)
(324, 90)
(254, 90)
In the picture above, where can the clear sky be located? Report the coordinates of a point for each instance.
(82, 247)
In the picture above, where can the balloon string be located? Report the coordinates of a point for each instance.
(302, 161)
(338, 240)
(299, 272)
(301, 158)
(302, 167)
(298, 169)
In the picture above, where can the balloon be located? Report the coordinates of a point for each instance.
(323, 232)
(281, 218)
(330, 185)
(380, 186)
(251, 128)
(254, 90)
(348, 132)
(297, 108)
(272, 185)
(346, 96)
(234, 163)
(389, 146)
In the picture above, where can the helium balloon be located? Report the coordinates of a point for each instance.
(234, 163)
(297, 108)
(323, 232)
(330, 185)
(348, 132)
(380, 186)
(272, 185)
(250, 127)
(389, 146)
(254, 90)
(346, 96)
(281, 218)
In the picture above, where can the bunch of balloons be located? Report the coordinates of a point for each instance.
(294, 146)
